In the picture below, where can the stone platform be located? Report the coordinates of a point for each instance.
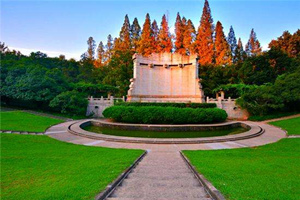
(76, 129)
(271, 134)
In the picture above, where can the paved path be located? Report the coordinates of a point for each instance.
(161, 175)
(272, 134)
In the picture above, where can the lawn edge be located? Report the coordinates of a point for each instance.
(112, 186)
(208, 186)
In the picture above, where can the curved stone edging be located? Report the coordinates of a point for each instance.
(255, 131)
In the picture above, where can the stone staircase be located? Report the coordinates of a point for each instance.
(160, 175)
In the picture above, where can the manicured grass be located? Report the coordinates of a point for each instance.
(168, 134)
(271, 116)
(266, 172)
(23, 121)
(292, 126)
(38, 167)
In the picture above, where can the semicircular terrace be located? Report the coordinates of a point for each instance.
(77, 129)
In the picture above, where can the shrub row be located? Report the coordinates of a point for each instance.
(164, 115)
(177, 105)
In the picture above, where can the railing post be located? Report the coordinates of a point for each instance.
(112, 100)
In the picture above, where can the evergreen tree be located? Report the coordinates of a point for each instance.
(100, 55)
(125, 35)
(189, 37)
(155, 32)
(117, 45)
(204, 41)
(232, 43)
(109, 48)
(288, 43)
(239, 54)
(91, 48)
(222, 48)
(164, 37)
(179, 28)
(253, 46)
(135, 34)
(146, 44)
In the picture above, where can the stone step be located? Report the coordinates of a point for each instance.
(161, 171)
(157, 193)
(160, 183)
(169, 176)
(162, 164)
(174, 198)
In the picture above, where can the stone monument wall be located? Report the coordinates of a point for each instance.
(165, 77)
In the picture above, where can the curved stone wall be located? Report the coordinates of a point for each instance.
(76, 129)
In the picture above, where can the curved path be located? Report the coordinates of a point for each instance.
(163, 174)
(271, 134)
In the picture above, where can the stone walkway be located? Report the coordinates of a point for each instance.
(272, 134)
(161, 175)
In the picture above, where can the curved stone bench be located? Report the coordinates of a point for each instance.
(255, 130)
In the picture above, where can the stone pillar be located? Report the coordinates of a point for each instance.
(220, 103)
(111, 100)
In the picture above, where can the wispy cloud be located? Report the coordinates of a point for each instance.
(27, 51)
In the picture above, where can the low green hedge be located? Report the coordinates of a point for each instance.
(164, 115)
(177, 105)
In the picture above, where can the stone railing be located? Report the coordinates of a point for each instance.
(97, 105)
(229, 105)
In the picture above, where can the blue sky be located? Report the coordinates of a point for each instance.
(62, 27)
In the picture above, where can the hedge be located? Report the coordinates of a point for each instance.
(164, 115)
(177, 105)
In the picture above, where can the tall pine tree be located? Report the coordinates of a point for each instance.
(100, 55)
(179, 28)
(135, 34)
(239, 54)
(91, 48)
(146, 44)
(204, 43)
(164, 37)
(189, 37)
(155, 31)
(232, 43)
(109, 48)
(223, 53)
(125, 38)
(253, 46)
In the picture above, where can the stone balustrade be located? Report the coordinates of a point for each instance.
(97, 105)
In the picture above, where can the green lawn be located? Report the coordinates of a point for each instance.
(23, 121)
(271, 116)
(38, 167)
(292, 126)
(267, 172)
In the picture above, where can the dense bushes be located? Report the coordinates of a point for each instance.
(283, 95)
(177, 105)
(70, 102)
(164, 115)
(49, 84)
